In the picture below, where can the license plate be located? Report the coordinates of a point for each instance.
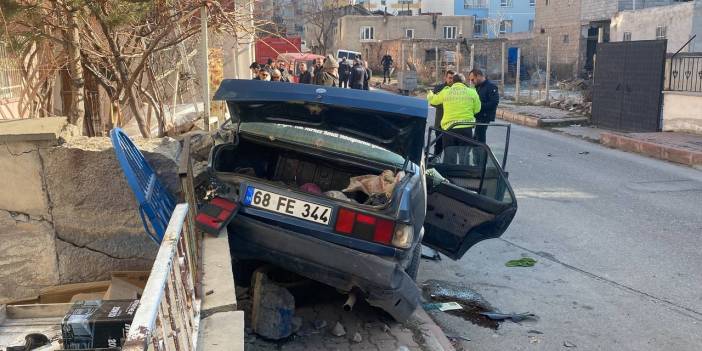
(287, 205)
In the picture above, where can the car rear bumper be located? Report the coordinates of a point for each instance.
(382, 280)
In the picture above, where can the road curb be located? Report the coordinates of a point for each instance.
(662, 152)
(434, 337)
(536, 122)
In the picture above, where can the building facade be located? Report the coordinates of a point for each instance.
(495, 18)
(353, 31)
(674, 23)
(442, 7)
(393, 7)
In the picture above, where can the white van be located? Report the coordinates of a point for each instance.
(350, 55)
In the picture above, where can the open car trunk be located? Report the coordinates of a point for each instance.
(309, 171)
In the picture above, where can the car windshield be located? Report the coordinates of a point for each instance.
(323, 139)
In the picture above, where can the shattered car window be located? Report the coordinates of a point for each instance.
(323, 139)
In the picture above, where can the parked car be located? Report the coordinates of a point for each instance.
(289, 151)
(349, 55)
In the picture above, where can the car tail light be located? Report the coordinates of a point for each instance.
(372, 228)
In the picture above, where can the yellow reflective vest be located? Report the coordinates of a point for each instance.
(461, 103)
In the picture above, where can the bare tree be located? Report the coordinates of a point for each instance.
(322, 17)
(117, 43)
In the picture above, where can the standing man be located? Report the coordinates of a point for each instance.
(344, 73)
(284, 74)
(489, 98)
(317, 70)
(461, 104)
(369, 74)
(329, 77)
(387, 62)
(448, 80)
(305, 75)
(358, 75)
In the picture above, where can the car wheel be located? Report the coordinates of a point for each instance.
(413, 267)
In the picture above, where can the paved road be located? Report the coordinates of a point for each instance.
(618, 239)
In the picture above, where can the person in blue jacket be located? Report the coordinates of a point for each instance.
(489, 99)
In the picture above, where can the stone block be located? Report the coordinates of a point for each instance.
(95, 213)
(650, 149)
(272, 309)
(28, 259)
(676, 155)
(21, 189)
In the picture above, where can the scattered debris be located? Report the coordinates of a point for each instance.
(386, 328)
(357, 338)
(471, 302)
(443, 306)
(319, 324)
(584, 153)
(568, 344)
(515, 317)
(460, 274)
(522, 262)
(533, 339)
(534, 331)
(338, 330)
(272, 309)
(457, 337)
(549, 154)
(209, 292)
(402, 348)
(430, 254)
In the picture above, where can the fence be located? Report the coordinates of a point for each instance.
(169, 313)
(685, 73)
(10, 76)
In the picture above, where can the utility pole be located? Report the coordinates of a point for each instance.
(472, 56)
(502, 70)
(548, 68)
(205, 79)
(436, 62)
(458, 60)
(519, 66)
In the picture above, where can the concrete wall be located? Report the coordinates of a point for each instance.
(682, 112)
(642, 24)
(393, 27)
(598, 10)
(66, 212)
(561, 19)
(444, 7)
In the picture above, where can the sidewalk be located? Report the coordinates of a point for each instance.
(678, 147)
(538, 116)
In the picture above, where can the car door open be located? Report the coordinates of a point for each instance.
(469, 198)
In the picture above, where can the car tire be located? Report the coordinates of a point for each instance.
(413, 267)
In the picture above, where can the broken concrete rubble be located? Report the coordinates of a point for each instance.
(273, 308)
(66, 212)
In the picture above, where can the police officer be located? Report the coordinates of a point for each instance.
(489, 98)
(461, 104)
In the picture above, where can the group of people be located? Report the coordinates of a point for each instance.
(461, 103)
(325, 72)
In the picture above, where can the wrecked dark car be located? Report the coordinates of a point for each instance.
(332, 186)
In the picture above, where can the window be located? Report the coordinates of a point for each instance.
(661, 32)
(409, 33)
(627, 36)
(532, 3)
(505, 26)
(566, 38)
(450, 32)
(367, 33)
(10, 81)
(531, 25)
(479, 27)
(505, 3)
(471, 4)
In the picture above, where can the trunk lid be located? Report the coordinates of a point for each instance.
(394, 122)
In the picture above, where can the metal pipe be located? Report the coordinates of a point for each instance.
(348, 305)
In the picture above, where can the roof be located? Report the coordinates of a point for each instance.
(256, 90)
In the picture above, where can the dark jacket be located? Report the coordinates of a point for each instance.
(317, 75)
(369, 74)
(305, 78)
(439, 108)
(344, 70)
(489, 98)
(358, 77)
(386, 61)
